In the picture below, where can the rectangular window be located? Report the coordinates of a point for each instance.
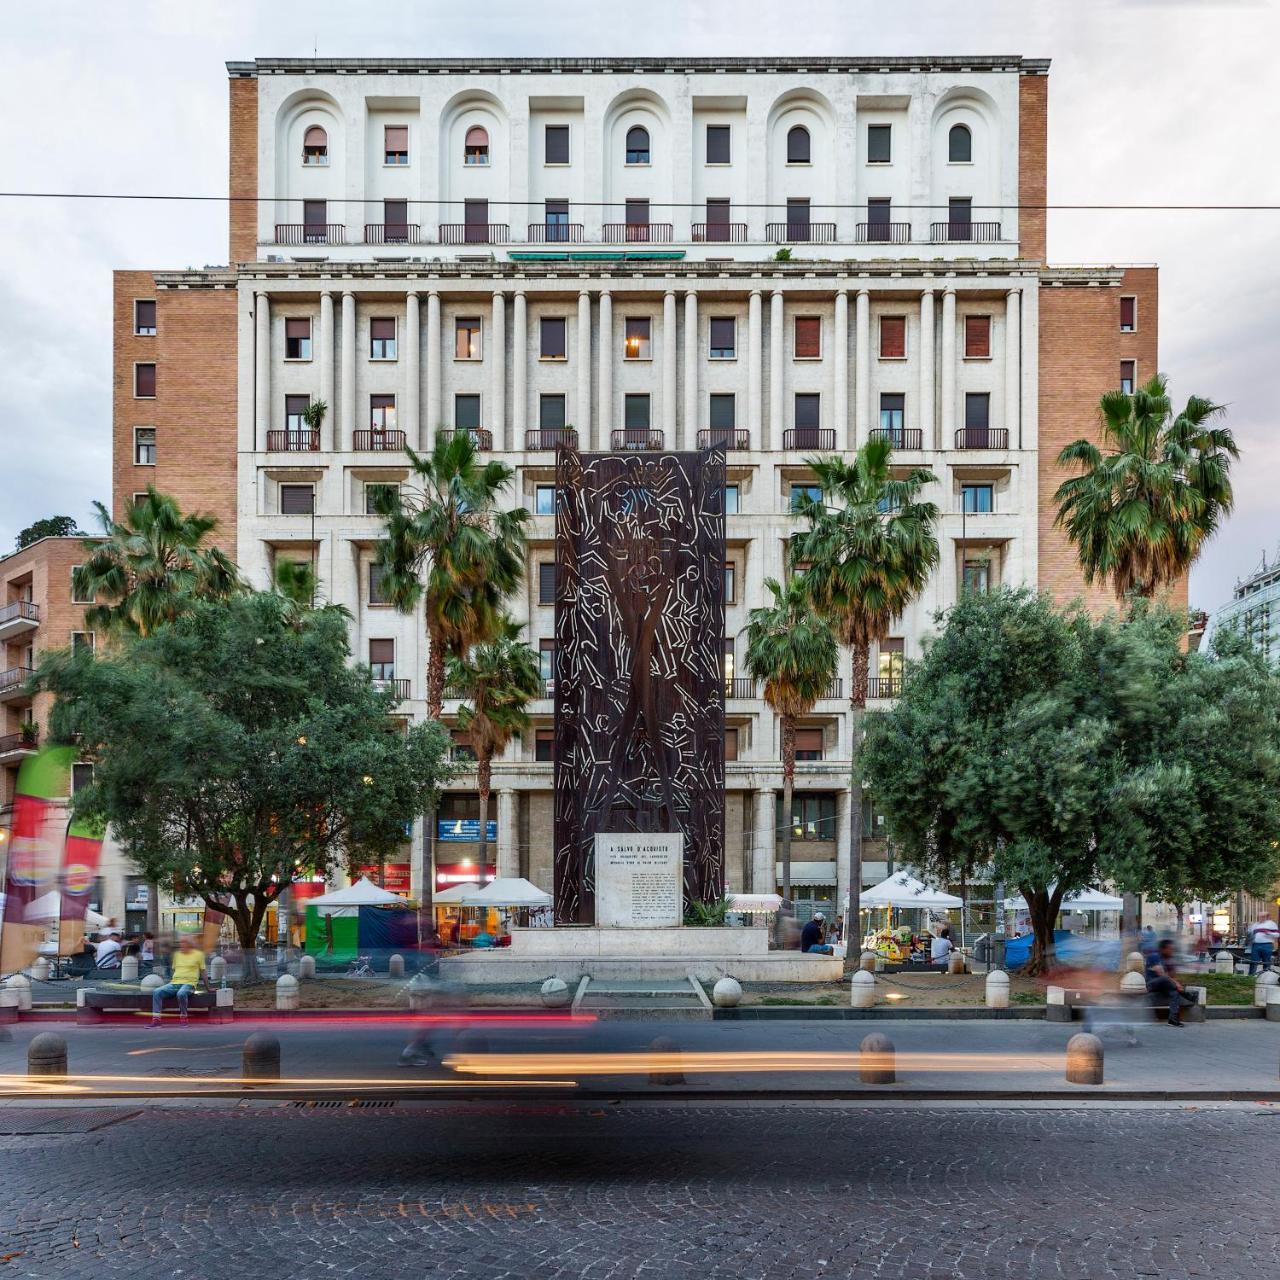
(893, 406)
(377, 593)
(893, 337)
(724, 338)
(813, 816)
(960, 216)
(544, 499)
(808, 744)
(977, 411)
(800, 491)
(878, 216)
(297, 338)
(718, 215)
(551, 412)
(977, 337)
(315, 221)
(731, 496)
(382, 339)
(544, 745)
(728, 660)
(297, 499)
(466, 413)
(879, 143)
(889, 663)
(1128, 375)
(382, 659)
(547, 582)
(556, 220)
(547, 660)
(144, 381)
(1129, 314)
(635, 412)
(475, 216)
(798, 219)
(144, 318)
(466, 338)
(730, 744)
(807, 409)
(977, 499)
(717, 144)
(82, 641)
(395, 221)
(144, 446)
(76, 598)
(557, 144)
(294, 408)
(637, 342)
(723, 413)
(382, 412)
(552, 337)
(730, 583)
(808, 338)
(395, 144)
(377, 494)
(81, 777)
(637, 213)
(977, 576)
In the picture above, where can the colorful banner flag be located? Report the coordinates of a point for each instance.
(79, 870)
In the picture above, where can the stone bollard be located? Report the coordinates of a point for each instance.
(555, 993)
(862, 990)
(47, 1055)
(261, 1059)
(1267, 981)
(419, 993)
(876, 1060)
(1272, 1011)
(727, 993)
(218, 969)
(8, 1003)
(1084, 1060)
(307, 967)
(665, 1074)
(287, 992)
(224, 1005)
(1133, 984)
(151, 982)
(1224, 962)
(997, 990)
(129, 969)
(956, 963)
(1134, 962)
(1198, 1011)
(395, 966)
(21, 984)
(868, 962)
(41, 970)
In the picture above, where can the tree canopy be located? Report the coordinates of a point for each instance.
(49, 527)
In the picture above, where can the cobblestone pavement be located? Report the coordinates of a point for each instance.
(549, 1191)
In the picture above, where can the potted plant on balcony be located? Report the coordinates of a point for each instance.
(29, 734)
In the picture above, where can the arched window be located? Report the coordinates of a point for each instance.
(637, 144)
(315, 145)
(798, 145)
(960, 144)
(477, 145)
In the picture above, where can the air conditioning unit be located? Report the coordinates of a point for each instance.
(275, 257)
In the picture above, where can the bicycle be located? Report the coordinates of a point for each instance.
(360, 967)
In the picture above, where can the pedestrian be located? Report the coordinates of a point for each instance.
(1263, 936)
(106, 955)
(941, 947)
(837, 929)
(811, 937)
(187, 972)
(1162, 981)
(1147, 942)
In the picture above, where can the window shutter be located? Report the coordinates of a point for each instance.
(892, 644)
(144, 315)
(808, 337)
(806, 410)
(381, 651)
(893, 337)
(397, 136)
(551, 413)
(809, 740)
(723, 410)
(477, 136)
(723, 333)
(547, 582)
(731, 744)
(145, 380)
(1128, 313)
(557, 144)
(977, 335)
(717, 145)
(977, 411)
(382, 330)
(297, 328)
(553, 337)
(315, 136)
(296, 499)
(466, 412)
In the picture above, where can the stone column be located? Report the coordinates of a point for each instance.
(262, 366)
(326, 355)
(777, 420)
(691, 370)
(928, 416)
(606, 373)
(582, 413)
(862, 371)
(519, 370)
(947, 416)
(842, 854)
(344, 438)
(755, 372)
(434, 355)
(508, 845)
(669, 350)
(764, 872)
(840, 401)
(498, 372)
(1013, 368)
(411, 418)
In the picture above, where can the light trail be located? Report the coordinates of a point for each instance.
(87, 1084)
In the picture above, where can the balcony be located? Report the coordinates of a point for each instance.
(13, 684)
(378, 440)
(809, 438)
(719, 232)
(636, 439)
(834, 690)
(884, 686)
(293, 441)
(474, 233)
(550, 438)
(903, 438)
(800, 232)
(637, 233)
(481, 437)
(555, 233)
(733, 439)
(739, 687)
(311, 233)
(882, 233)
(17, 746)
(548, 689)
(392, 233)
(400, 688)
(18, 618)
(982, 438)
(964, 232)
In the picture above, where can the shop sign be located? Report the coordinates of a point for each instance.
(464, 829)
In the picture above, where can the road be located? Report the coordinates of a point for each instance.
(543, 1190)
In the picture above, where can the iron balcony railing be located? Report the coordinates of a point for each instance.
(551, 438)
(964, 232)
(835, 689)
(638, 438)
(379, 440)
(19, 742)
(730, 438)
(800, 232)
(293, 441)
(884, 686)
(637, 233)
(15, 678)
(394, 685)
(555, 233)
(24, 609)
(392, 233)
(883, 233)
(809, 438)
(719, 232)
(982, 438)
(901, 437)
(739, 687)
(481, 437)
(474, 233)
(311, 233)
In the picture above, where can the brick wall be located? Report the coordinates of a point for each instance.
(243, 177)
(1033, 165)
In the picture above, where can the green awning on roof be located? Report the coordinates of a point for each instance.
(622, 255)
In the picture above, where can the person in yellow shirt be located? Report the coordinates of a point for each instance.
(188, 970)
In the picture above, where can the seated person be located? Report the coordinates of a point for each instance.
(811, 937)
(1163, 983)
(941, 947)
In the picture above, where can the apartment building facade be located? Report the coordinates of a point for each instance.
(778, 257)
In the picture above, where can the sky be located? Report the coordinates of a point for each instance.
(1151, 101)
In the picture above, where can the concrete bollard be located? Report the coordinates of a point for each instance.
(1133, 984)
(129, 969)
(1224, 962)
(876, 1060)
(1084, 1060)
(307, 967)
(1134, 962)
(21, 984)
(218, 969)
(665, 1075)
(287, 992)
(997, 989)
(47, 1055)
(868, 962)
(862, 990)
(555, 993)
(727, 993)
(8, 1003)
(956, 963)
(1267, 981)
(419, 993)
(261, 1059)
(1272, 1011)
(224, 1005)
(42, 970)
(395, 966)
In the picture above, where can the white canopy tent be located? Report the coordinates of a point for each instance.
(454, 894)
(749, 902)
(507, 891)
(903, 890)
(1084, 900)
(348, 901)
(45, 910)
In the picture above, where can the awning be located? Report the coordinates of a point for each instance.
(508, 891)
(364, 893)
(1083, 900)
(903, 890)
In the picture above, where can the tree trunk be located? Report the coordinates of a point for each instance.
(484, 765)
(153, 909)
(857, 710)
(1043, 907)
(435, 675)
(247, 936)
(788, 789)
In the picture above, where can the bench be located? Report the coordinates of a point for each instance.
(93, 1006)
(1061, 1004)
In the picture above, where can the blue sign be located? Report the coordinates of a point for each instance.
(457, 829)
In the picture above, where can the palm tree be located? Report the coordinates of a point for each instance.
(498, 678)
(865, 560)
(148, 565)
(1140, 513)
(793, 650)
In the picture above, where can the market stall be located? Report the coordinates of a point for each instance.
(447, 905)
(1071, 945)
(896, 941)
(502, 902)
(361, 919)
